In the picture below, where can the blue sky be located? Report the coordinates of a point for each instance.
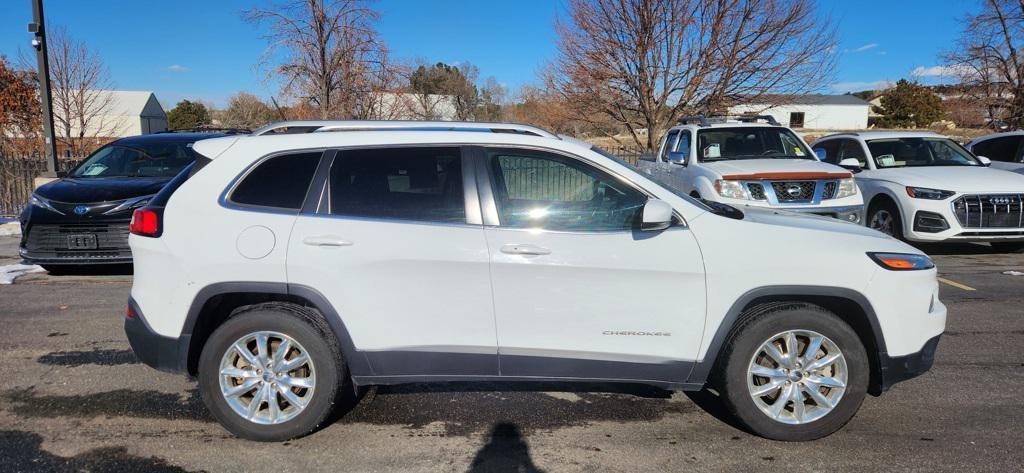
(203, 49)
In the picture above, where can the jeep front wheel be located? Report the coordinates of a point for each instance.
(794, 372)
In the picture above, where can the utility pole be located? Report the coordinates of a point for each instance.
(39, 43)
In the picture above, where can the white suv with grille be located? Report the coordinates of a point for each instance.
(288, 269)
(922, 186)
(755, 161)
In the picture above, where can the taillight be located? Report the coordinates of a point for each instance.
(145, 222)
(129, 313)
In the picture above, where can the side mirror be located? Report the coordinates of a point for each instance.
(677, 157)
(985, 161)
(657, 216)
(850, 163)
(820, 153)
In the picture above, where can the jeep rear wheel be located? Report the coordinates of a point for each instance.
(271, 373)
(794, 372)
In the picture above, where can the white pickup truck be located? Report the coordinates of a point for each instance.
(755, 161)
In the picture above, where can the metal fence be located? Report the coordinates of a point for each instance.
(17, 174)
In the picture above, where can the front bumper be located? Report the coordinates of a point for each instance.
(47, 243)
(850, 213)
(157, 351)
(951, 228)
(892, 370)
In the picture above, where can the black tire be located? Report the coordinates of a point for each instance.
(306, 328)
(897, 219)
(1008, 247)
(760, 324)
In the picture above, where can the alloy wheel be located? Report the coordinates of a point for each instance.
(267, 377)
(797, 376)
(883, 221)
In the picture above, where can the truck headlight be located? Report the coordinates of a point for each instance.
(731, 189)
(926, 193)
(847, 187)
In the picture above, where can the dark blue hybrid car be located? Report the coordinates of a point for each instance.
(82, 218)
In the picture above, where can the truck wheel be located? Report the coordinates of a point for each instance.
(272, 372)
(793, 372)
(885, 217)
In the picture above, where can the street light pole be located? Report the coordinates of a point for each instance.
(39, 43)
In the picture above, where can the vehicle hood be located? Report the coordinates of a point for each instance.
(955, 178)
(803, 221)
(92, 190)
(748, 167)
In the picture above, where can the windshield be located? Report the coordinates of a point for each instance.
(720, 144)
(919, 152)
(156, 159)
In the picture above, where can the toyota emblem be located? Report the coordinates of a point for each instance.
(81, 210)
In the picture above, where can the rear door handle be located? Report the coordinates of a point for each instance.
(325, 240)
(521, 249)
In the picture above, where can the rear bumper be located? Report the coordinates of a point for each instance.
(157, 351)
(901, 368)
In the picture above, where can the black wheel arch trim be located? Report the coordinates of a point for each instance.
(702, 369)
(357, 362)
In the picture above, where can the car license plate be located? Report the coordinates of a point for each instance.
(84, 241)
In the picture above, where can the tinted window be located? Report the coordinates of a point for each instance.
(155, 159)
(831, 148)
(541, 190)
(853, 149)
(279, 182)
(400, 183)
(998, 149)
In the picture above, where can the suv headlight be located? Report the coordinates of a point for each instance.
(731, 189)
(847, 187)
(43, 203)
(926, 193)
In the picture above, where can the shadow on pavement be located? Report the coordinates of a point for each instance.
(89, 357)
(26, 402)
(506, 450)
(22, 451)
(958, 249)
(91, 270)
(470, 408)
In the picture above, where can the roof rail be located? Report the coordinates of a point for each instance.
(707, 121)
(211, 129)
(317, 126)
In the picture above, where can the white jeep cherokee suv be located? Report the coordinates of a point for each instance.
(287, 270)
(754, 161)
(922, 186)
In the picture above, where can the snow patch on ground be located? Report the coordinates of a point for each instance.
(9, 229)
(11, 272)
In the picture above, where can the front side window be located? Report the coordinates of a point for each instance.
(158, 159)
(279, 182)
(831, 151)
(534, 189)
(683, 143)
(919, 152)
(999, 149)
(851, 149)
(414, 183)
(670, 144)
(721, 144)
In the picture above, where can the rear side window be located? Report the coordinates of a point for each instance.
(414, 183)
(279, 182)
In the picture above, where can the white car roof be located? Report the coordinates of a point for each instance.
(881, 135)
(729, 124)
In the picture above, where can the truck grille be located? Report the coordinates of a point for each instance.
(51, 241)
(803, 190)
(990, 210)
(756, 191)
(830, 190)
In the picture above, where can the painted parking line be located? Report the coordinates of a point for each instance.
(956, 284)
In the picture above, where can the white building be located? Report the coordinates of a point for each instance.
(815, 112)
(126, 113)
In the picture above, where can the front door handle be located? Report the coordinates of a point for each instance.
(325, 240)
(521, 249)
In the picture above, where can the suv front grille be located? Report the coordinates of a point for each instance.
(793, 191)
(756, 191)
(51, 241)
(990, 210)
(830, 190)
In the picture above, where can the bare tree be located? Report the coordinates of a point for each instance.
(331, 54)
(80, 87)
(246, 110)
(988, 61)
(646, 63)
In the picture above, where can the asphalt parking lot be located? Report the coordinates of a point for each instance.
(73, 397)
